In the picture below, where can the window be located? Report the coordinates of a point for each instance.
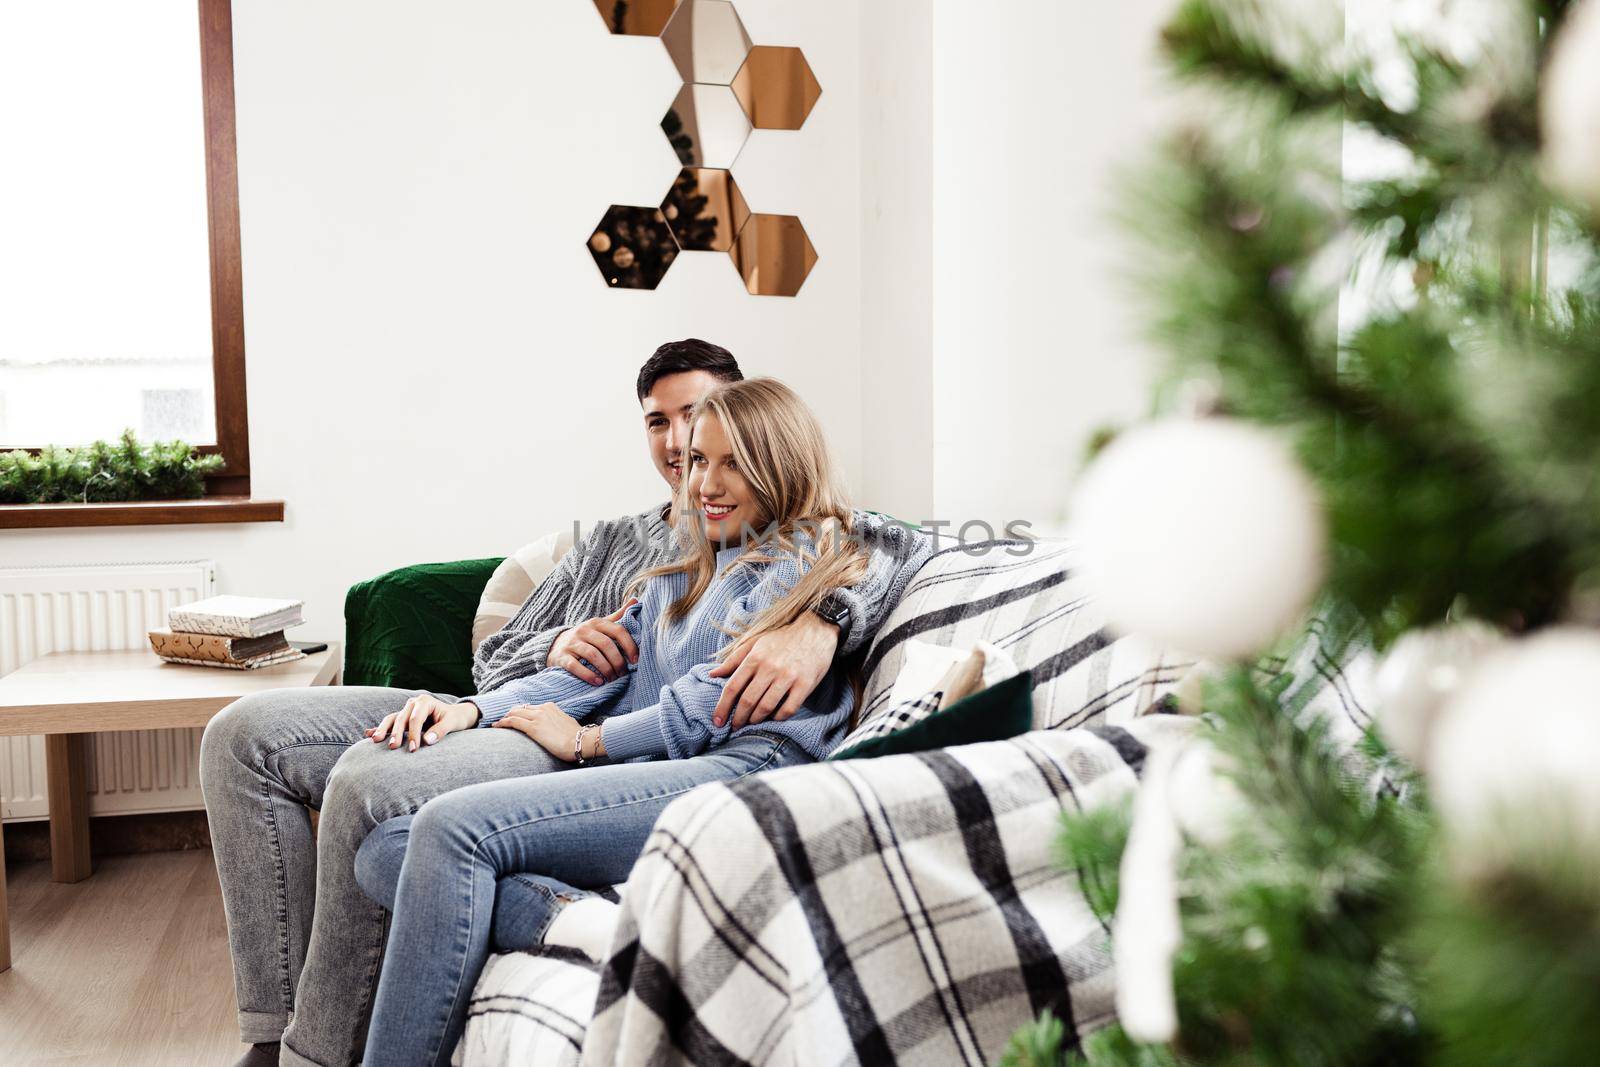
(120, 287)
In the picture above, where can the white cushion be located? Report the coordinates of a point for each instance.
(518, 575)
(965, 671)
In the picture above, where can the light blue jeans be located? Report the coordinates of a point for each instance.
(443, 875)
(524, 904)
(305, 938)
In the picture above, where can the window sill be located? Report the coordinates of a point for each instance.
(140, 513)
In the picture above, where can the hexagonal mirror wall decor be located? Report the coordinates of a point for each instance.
(706, 41)
(776, 87)
(773, 255)
(706, 126)
(636, 18)
(730, 88)
(705, 209)
(632, 246)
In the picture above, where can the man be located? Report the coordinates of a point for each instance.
(306, 942)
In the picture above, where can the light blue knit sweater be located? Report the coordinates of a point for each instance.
(662, 705)
(590, 579)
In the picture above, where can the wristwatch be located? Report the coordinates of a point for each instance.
(834, 609)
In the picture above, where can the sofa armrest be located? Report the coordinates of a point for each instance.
(412, 628)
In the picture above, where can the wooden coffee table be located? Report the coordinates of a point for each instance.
(68, 695)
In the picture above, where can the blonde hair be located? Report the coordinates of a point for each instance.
(780, 449)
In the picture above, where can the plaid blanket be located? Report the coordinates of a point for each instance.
(905, 834)
(907, 909)
(1333, 667)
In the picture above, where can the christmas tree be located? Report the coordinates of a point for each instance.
(1375, 265)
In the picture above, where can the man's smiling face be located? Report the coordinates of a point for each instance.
(666, 419)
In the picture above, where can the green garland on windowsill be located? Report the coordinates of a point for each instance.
(105, 471)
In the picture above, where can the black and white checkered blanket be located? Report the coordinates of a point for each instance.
(909, 909)
(902, 908)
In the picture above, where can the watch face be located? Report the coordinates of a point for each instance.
(834, 610)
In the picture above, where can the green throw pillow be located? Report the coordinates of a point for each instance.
(1001, 711)
(412, 628)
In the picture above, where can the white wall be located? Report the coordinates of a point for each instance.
(897, 245)
(438, 372)
(436, 369)
(1026, 330)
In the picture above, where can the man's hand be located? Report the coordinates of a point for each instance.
(603, 642)
(775, 672)
(425, 711)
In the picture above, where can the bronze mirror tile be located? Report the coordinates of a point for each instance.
(633, 247)
(637, 18)
(776, 87)
(706, 40)
(706, 126)
(773, 255)
(705, 209)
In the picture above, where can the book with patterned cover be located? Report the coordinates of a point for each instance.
(235, 616)
(216, 647)
(286, 656)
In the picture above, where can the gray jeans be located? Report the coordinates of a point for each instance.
(307, 942)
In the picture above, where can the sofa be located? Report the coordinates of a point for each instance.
(911, 908)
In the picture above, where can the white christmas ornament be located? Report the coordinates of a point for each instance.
(1203, 535)
(1569, 109)
(1181, 791)
(1515, 756)
(1418, 674)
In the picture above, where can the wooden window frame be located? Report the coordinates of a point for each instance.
(228, 490)
(227, 268)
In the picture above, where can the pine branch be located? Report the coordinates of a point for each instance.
(1235, 307)
(101, 472)
(1091, 844)
(1224, 43)
(1209, 41)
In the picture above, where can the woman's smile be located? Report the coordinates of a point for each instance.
(717, 485)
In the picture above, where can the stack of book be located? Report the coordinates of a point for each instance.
(237, 632)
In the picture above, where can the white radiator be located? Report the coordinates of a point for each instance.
(83, 609)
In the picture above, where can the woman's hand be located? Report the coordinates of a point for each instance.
(554, 730)
(425, 712)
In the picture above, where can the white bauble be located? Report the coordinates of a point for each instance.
(1569, 106)
(1147, 929)
(1203, 535)
(1418, 674)
(1514, 760)
(1185, 790)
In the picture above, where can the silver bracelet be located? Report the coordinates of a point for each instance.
(577, 744)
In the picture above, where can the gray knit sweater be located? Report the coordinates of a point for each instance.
(594, 575)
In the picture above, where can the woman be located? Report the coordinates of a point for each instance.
(765, 539)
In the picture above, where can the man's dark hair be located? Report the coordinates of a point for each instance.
(691, 353)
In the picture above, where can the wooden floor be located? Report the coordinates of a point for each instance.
(126, 969)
